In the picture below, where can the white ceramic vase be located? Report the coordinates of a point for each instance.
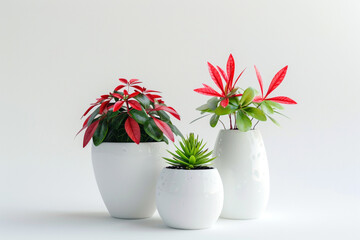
(126, 174)
(243, 167)
(189, 199)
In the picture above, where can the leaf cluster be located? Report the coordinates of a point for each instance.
(190, 154)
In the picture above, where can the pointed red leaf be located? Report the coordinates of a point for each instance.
(123, 80)
(149, 96)
(134, 94)
(153, 96)
(152, 91)
(118, 105)
(236, 95)
(223, 74)
(119, 87)
(138, 88)
(104, 96)
(90, 132)
(282, 99)
(117, 95)
(170, 110)
(216, 77)
(208, 92)
(134, 81)
(224, 102)
(258, 99)
(103, 106)
(133, 130)
(164, 128)
(88, 110)
(278, 78)
(260, 80)
(237, 79)
(230, 68)
(134, 104)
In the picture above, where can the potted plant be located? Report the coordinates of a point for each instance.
(241, 157)
(189, 193)
(129, 128)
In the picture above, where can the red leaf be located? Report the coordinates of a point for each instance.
(117, 95)
(132, 129)
(170, 110)
(104, 96)
(278, 78)
(282, 99)
(138, 88)
(134, 81)
(118, 105)
(134, 94)
(258, 99)
(103, 106)
(119, 87)
(152, 91)
(216, 77)
(123, 80)
(224, 102)
(223, 74)
(154, 96)
(236, 95)
(149, 96)
(260, 80)
(164, 128)
(135, 104)
(88, 110)
(230, 68)
(237, 79)
(90, 132)
(126, 93)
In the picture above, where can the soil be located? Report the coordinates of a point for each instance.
(195, 168)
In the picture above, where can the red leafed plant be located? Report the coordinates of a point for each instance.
(129, 113)
(228, 101)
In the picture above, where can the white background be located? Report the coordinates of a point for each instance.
(56, 57)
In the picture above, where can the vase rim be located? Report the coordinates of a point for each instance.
(236, 130)
(191, 170)
(130, 143)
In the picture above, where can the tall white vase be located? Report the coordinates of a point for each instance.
(243, 167)
(126, 174)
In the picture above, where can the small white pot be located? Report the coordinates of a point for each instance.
(126, 175)
(243, 167)
(189, 199)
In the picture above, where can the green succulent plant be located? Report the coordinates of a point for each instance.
(191, 153)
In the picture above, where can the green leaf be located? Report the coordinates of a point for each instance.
(163, 115)
(275, 104)
(247, 97)
(281, 114)
(175, 130)
(214, 120)
(92, 116)
(100, 133)
(117, 121)
(274, 121)
(143, 100)
(152, 130)
(234, 101)
(213, 102)
(139, 116)
(224, 111)
(243, 122)
(255, 113)
(266, 107)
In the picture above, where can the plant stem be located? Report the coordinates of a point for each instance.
(222, 124)
(255, 124)
(230, 122)
(235, 127)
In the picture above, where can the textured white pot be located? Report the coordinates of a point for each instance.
(126, 174)
(243, 167)
(189, 199)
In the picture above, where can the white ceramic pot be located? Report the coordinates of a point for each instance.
(243, 167)
(126, 174)
(189, 199)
